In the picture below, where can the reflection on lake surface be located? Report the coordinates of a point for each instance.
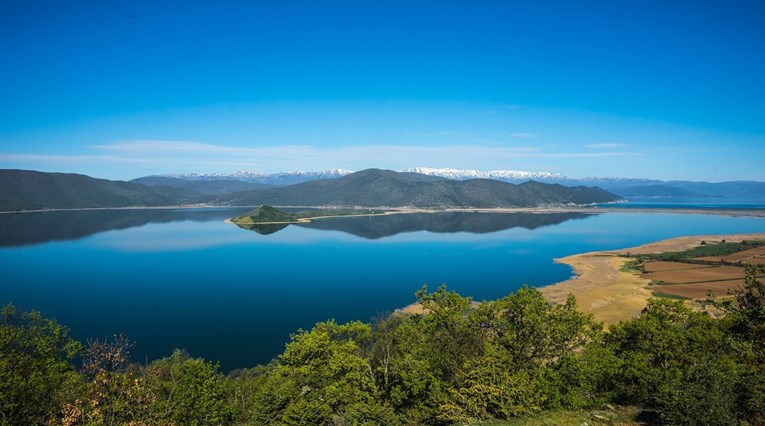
(184, 278)
(18, 229)
(375, 227)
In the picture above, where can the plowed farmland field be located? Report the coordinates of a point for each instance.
(698, 290)
(699, 274)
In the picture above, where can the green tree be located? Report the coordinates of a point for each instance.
(37, 377)
(528, 361)
(416, 358)
(746, 310)
(745, 320)
(189, 391)
(669, 358)
(406, 368)
(323, 377)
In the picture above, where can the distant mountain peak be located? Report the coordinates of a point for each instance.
(505, 175)
(280, 178)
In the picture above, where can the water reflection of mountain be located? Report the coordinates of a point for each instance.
(263, 228)
(19, 229)
(374, 227)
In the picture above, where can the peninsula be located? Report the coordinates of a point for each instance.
(268, 215)
(616, 285)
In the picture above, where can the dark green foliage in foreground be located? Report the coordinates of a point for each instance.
(36, 374)
(517, 357)
(680, 362)
(189, 391)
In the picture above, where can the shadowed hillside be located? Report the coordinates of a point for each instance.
(31, 190)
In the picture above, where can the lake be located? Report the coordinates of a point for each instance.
(183, 278)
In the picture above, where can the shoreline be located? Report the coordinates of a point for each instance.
(740, 212)
(601, 287)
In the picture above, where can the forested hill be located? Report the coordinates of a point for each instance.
(374, 187)
(31, 190)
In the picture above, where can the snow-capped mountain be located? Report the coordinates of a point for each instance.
(517, 176)
(281, 178)
(503, 175)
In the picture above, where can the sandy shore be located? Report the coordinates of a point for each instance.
(609, 294)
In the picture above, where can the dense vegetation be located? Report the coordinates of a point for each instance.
(459, 363)
(704, 250)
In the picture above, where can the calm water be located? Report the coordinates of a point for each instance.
(704, 203)
(183, 278)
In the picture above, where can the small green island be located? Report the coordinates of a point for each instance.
(267, 219)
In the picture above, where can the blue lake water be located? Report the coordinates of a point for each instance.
(702, 203)
(185, 279)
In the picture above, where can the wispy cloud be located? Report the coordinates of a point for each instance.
(439, 133)
(607, 146)
(167, 156)
(523, 135)
(484, 113)
(355, 153)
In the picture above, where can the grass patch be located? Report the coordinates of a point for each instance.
(634, 265)
(661, 295)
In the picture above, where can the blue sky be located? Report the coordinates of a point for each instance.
(669, 90)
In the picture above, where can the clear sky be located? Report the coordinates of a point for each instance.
(121, 89)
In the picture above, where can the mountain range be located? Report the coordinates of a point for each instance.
(32, 190)
(420, 187)
(625, 187)
(375, 187)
